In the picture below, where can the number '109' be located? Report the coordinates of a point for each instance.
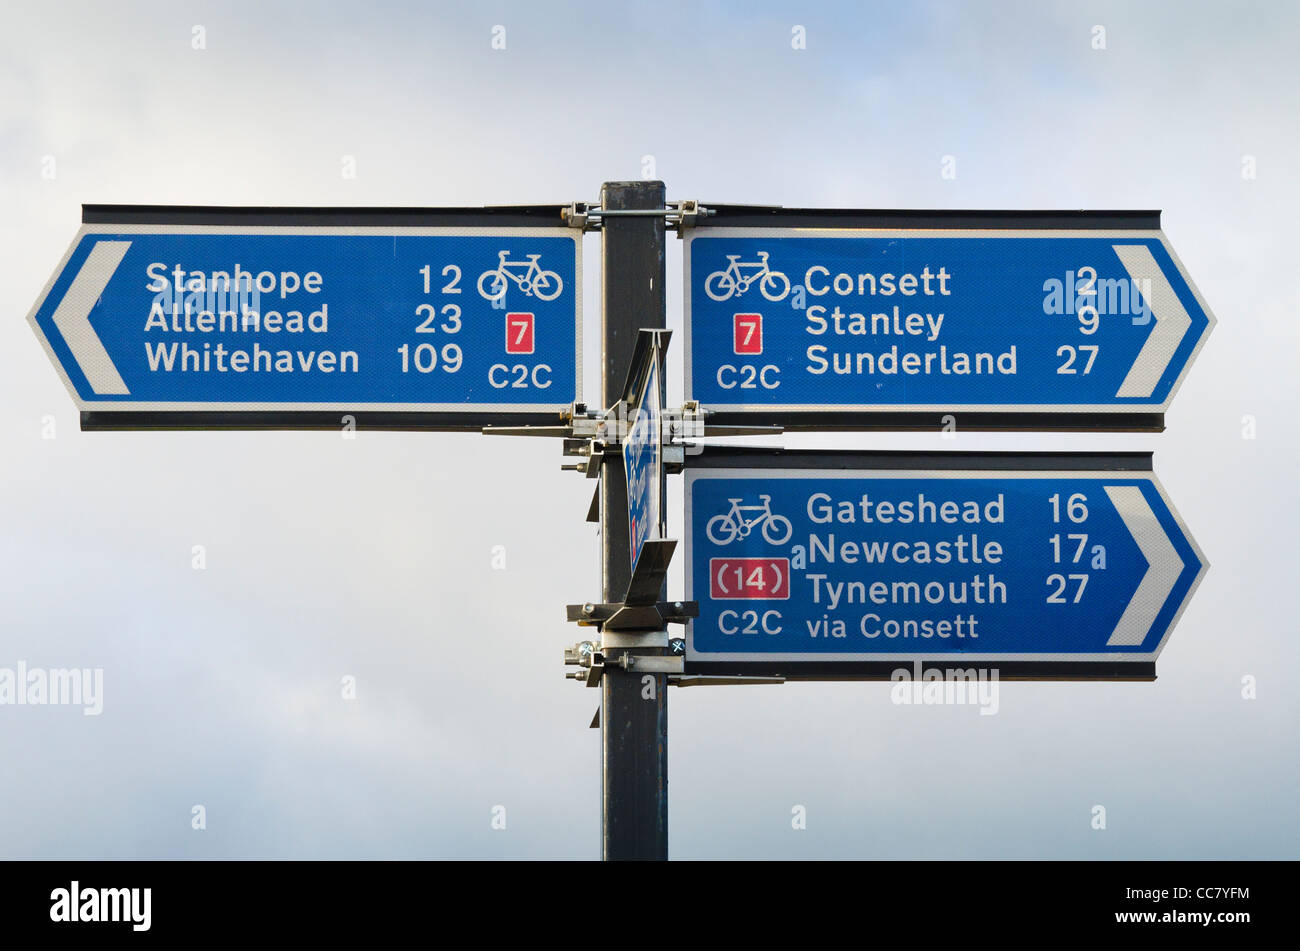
(426, 357)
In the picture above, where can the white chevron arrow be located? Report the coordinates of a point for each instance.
(72, 317)
(1164, 566)
(1167, 311)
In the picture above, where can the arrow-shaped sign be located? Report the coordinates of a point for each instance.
(1042, 565)
(231, 317)
(827, 325)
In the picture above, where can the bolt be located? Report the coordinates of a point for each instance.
(588, 609)
(677, 605)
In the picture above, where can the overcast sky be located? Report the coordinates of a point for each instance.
(371, 558)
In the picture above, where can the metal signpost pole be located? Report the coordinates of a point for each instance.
(634, 706)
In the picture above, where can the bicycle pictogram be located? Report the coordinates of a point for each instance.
(527, 275)
(738, 275)
(741, 520)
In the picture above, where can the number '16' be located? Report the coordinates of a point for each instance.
(1076, 507)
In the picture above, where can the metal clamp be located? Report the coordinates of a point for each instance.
(578, 215)
(593, 662)
(676, 214)
(688, 212)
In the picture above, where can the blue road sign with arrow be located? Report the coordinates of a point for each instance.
(157, 317)
(828, 564)
(820, 319)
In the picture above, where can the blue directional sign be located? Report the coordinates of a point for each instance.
(907, 320)
(643, 464)
(167, 318)
(983, 567)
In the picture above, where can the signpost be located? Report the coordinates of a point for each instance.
(997, 321)
(249, 318)
(851, 564)
(803, 565)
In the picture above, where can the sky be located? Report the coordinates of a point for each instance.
(372, 558)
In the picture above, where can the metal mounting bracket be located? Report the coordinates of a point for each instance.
(617, 616)
(591, 435)
(676, 214)
(593, 661)
(720, 680)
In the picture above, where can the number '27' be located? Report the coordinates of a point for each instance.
(1069, 353)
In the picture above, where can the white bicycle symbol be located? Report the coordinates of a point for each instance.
(725, 529)
(739, 275)
(527, 274)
